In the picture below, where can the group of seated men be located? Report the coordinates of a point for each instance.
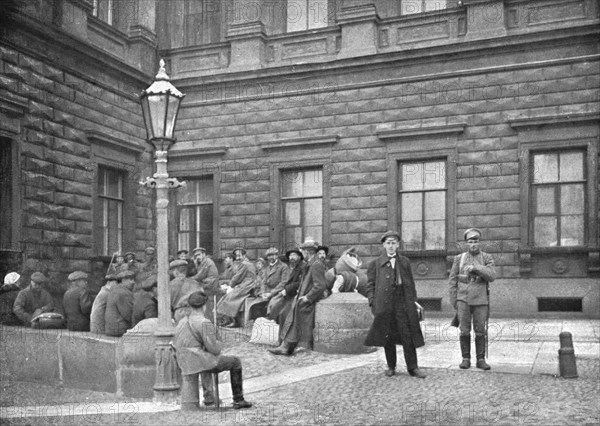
(129, 293)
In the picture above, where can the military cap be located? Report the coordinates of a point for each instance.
(130, 253)
(150, 282)
(38, 278)
(472, 233)
(390, 234)
(272, 250)
(77, 275)
(197, 249)
(177, 263)
(309, 244)
(298, 252)
(183, 251)
(11, 278)
(125, 274)
(150, 250)
(242, 249)
(324, 248)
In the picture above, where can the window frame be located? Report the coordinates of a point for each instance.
(394, 163)
(423, 4)
(110, 12)
(175, 214)
(100, 204)
(278, 225)
(332, 6)
(589, 148)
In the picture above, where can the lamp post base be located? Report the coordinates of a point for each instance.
(167, 384)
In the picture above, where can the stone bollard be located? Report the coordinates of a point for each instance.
(566, 357)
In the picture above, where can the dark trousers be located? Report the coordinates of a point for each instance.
(400, 323)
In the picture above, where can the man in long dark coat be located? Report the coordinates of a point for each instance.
(299, 324)
(119, 305)
(392, 296)
(283, 295)
(77, 302)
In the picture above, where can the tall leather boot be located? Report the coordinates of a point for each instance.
(237, 390)
(480, 353)
(465, 350)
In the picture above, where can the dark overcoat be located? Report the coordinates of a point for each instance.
(279, 306)
(380, 288)
(119, 306)
(77, 304)
(299, 324)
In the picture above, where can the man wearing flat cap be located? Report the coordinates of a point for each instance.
(145, 302)
(77, 302)
(8, 294)
(207, 273)
(298, 326)
(276, 273)
(392, 297)
(119, 305)
(469, 280)
(180, 288)
(33, 300)
(98, 315)
(283, 295)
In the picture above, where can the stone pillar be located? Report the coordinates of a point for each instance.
(142, 35)
(485, 19)
(248, 44)
(359, 30)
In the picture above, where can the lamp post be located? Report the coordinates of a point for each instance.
(160, 105)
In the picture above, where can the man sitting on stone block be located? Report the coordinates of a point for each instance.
(77, 302)
(33, 300)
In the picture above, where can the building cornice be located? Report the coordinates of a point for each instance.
(307, 142)
(554, 119)
(197, 153)
(391, 135)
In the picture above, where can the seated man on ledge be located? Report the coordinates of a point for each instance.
(33, 300)
(199, 351)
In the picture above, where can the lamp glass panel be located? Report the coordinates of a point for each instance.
(146, 113)
(172, 115)
(157, 105)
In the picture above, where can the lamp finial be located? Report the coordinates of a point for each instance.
(162, 73)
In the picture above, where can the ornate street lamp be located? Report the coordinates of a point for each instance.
(160, 105)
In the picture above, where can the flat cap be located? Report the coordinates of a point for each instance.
(198, 249)
(130, 253)
(125, 274)
(197, 299)
(177, 263)
(77, 275)
(272, 250)
(110, 277)
(242, 249)
(309, 244)
(150, 250)
(390, 234)
(472, 233)
(38, 278)
(186, 251)
(150, 282)
(11, 278)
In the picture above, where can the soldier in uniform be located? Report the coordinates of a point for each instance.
(119, 305)
(207, 273)
(77, 302)
(145, 303)
(33, 300)
(469, 280)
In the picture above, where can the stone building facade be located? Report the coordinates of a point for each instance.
(335, 120)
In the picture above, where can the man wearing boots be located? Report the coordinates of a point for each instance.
(470, 276)
(199, 351)
(392, 296)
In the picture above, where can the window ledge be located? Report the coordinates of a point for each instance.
(517, 123)
(185, 154)
(112, 142)
(527, 255)
(314, 142)
(394, 134)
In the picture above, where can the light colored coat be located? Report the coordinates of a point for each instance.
(471, 288)
(188, 347)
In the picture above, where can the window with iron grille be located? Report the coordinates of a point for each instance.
(558, 197)
(195, 206)
(422, 205)
(302, 205)
(111, 201)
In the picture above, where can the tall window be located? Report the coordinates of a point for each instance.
(202, 22)
(419, 6)
(104, 10)
(110, 193)
(306, 14)
(6, 195)
(422, 206)
(558, 197)
(195, 210)
(302, 206)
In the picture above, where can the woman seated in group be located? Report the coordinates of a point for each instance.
(239, 288)
(198, 350)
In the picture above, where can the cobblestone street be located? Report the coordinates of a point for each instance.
(354, 393)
